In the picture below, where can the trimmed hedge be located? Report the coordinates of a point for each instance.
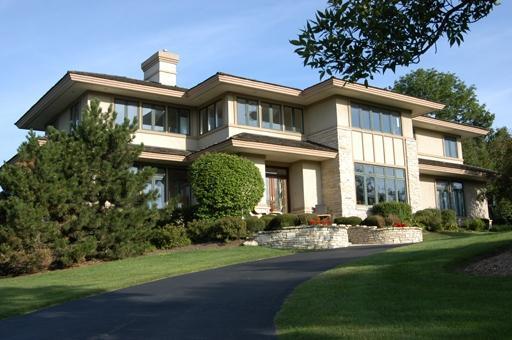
(283, 221)
(169, 236)
(351, 220)
(254, 224)
(223, 229)
(374, 221)
(400, 209)
(430, 219)
(225, 185)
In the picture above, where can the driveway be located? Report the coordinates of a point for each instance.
(234, 302)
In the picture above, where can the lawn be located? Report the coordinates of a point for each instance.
(27, 293)
(409, 292)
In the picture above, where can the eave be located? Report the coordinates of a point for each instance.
(464, 130)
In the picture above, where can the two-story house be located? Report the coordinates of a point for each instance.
(333, 147)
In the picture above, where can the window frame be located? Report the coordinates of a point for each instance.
(451, 195)
(446, 148)
(153, 117)
(358, 113)
(296, 111)
(205, 112)
(126, 102)
(376, 176)
(178, 111)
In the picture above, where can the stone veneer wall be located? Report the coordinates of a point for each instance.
(305, 237)
(372, 235)
(413, 174)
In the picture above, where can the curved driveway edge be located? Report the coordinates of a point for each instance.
(235, 302)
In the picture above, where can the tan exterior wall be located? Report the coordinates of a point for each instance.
(428, 192)
(305, 186)
(296, 187)
(431, 146)
(259, 162)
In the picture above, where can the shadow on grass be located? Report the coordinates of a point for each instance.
(410, 292)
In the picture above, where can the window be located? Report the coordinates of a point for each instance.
(178, 120)
(74, 115)
(126, 110)
(157, 183)
(247, 112)
(450, 195)
(179, 188)
(212, 116)
(271, 116)
(450, 147)
(292, 119)
(375, 119)
(153, 117)
(375, 184)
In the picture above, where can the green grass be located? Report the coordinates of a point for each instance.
(23, 294)
(408, 292)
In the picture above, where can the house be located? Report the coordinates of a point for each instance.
(333, 147)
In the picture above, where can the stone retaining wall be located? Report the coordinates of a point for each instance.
(305, 237)
(372, 235)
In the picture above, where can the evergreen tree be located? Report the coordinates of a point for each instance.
(74, 197)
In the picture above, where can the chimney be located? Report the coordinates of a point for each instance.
(161, 68)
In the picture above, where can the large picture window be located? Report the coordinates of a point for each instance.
(271, 116)
(212, 116)
(450, 195)
(375, 184)
(126, 109)
(376, 119)
(153, 117)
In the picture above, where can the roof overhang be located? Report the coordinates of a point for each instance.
(462, 171)
(464, 130)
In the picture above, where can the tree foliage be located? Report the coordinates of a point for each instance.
(358, 38)
(225, 185)
(74, 197)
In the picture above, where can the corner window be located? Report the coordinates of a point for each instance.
(450, 147)
(375, 119)
(271, 116)
(375, 184)
(450, 195)
(153, 117)
(178, 120)
(212, 116)
(292, 119)
(126, 110)
(247, 112)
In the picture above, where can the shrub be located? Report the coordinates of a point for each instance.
(267, 219)
(501, 227)
(175, 216)
(400, 209)
(254, 224)
(200, 230)
(229, 228)
(374, 221)
(169, 236)
(430, 219)
(305, 218)
(225, 185)
(351, 220)
(503, 212)
(475, 224)
(283, 221)
(449, 218)
(392, 220)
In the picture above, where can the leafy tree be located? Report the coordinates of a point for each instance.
(74, 197)
(358, 38)
(225, 185)
(462, 106)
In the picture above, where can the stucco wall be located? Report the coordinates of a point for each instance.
(475, 205)
(431, 146)
(427, 192)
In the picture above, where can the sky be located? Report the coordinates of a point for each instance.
(41, 40)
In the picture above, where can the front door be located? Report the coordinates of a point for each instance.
(277, 189)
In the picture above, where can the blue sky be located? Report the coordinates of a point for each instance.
(41, 40)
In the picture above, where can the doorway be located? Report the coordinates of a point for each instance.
(276, 181)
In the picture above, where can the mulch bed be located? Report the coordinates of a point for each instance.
(495, 265)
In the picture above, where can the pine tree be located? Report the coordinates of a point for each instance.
(75, 197)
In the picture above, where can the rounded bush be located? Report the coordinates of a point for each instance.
(283, 221)
(449, 218)
(229, 228)
(351, 220)
(200, 230)
(400, 209)
(475, 224)
(267, 219)
(305, 218)
(374, 221)
(225, 185)
(170, 236)
(430, 219)
(254, 224)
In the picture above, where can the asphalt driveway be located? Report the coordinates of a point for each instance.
(234, 302)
